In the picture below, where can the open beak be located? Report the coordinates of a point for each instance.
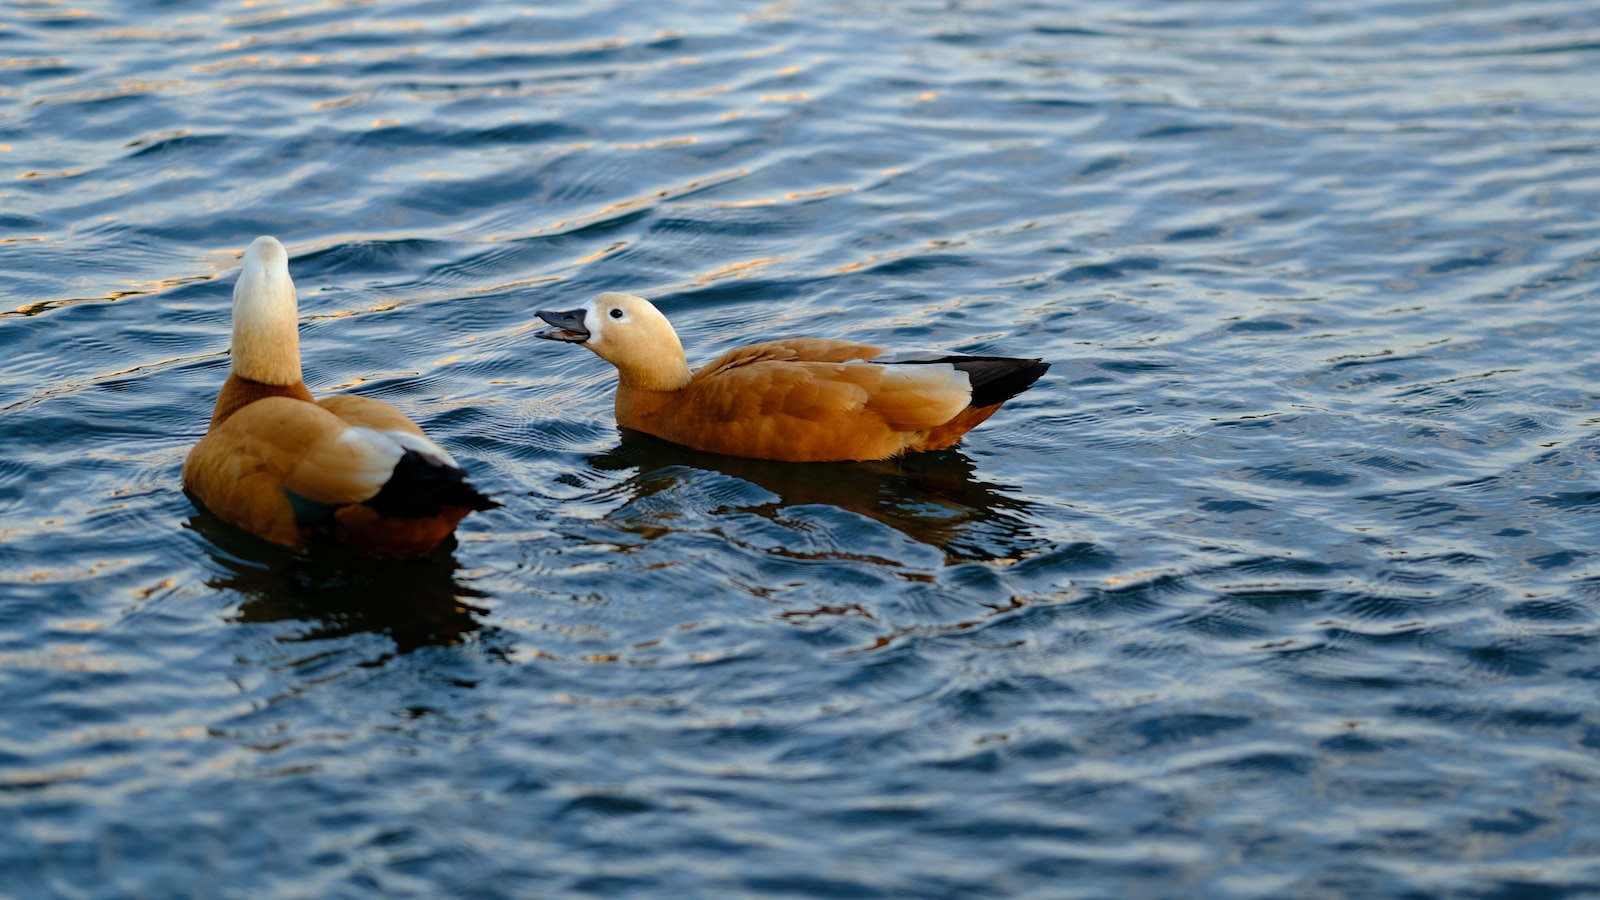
(567, 326)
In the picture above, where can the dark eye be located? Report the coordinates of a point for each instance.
(616, 312)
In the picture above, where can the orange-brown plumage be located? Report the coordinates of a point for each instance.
(283, 466)
(799, 400)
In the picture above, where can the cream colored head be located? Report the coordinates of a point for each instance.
(628, 332)
(266, 322)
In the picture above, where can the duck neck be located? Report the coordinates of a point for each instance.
(266, 346)
(641, 409)
(665, 373)
(239, 392)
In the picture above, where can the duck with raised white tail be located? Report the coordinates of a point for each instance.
(284, 466)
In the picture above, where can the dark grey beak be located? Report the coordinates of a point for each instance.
(568, 326)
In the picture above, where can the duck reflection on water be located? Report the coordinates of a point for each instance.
(935, 498)
(415, 602)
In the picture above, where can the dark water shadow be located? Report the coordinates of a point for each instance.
(335, 593)
(934, 498)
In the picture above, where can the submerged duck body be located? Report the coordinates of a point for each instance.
(284, 466)
(797, 400)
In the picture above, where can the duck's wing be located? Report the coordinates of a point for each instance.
(426, 481)
(790, 350)
(277, 461)
(921, 397)
(392, 423)
(827, 382)
(994, 379)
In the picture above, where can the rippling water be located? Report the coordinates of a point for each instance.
(1282, 582)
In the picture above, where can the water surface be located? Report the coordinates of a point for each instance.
(1283, 582)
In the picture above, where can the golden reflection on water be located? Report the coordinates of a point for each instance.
(53, 173)
(599, 254)
(60, 657)
(658, 144)
(641, 201)
(734, 270)
(135, 289)
(53, 12)
(788, 197)
(70, 386)
(34, 62)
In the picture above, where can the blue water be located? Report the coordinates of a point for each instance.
(1283, 582)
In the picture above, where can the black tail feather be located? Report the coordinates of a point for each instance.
(995, 379)
(419, 487)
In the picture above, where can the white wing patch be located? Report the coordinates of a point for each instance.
(922, 396)
(931, 375)
(371, 456)
(429, 450)
(348, 468)
(909, 356)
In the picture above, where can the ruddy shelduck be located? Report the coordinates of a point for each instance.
(284, 467)
(798, 400)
